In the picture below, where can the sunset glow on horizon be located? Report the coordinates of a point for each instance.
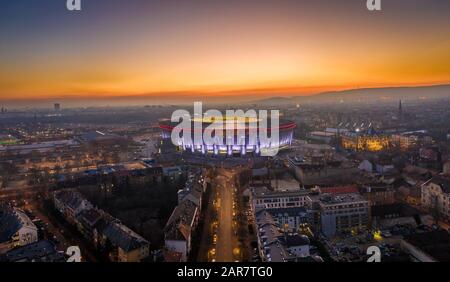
(119, 48)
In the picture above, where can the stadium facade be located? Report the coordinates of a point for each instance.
(239, 144)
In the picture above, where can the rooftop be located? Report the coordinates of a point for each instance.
(330, 199)
(41, 251)
(291, 211)
(71, 198)
(11, 220)
(443, 181)
(178, 227)
(90, 216)
(272, 238)
(293, 240)
(123, 237)
(264, 192)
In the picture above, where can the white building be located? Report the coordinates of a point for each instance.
(263, 198)
(436, 196)
(274, 245)
(16, 229)
(70, 203)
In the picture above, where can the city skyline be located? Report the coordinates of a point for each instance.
(167, 50)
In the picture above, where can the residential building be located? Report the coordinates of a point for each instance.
(16, 229)
(290, 219)
(387, 216)
(436, 196)
(274, 245)
(269, 235)
(101, 229)
(70, 203)
(127, 245)
(180, 227)
(343, 213)
(41, 251)
(89, 222)
(299, 245)
(193, 190)
(378, 194)
(263, 198)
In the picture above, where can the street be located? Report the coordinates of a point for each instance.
(227, 249)
(225, 229)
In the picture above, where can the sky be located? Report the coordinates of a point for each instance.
(129, 48)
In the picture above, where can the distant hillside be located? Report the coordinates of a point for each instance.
(396, 93)
(364, 94)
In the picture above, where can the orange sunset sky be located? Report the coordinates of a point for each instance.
(163, 48)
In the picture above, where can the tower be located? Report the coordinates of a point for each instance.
(400, 108)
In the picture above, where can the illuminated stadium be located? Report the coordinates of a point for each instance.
(286, 133)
